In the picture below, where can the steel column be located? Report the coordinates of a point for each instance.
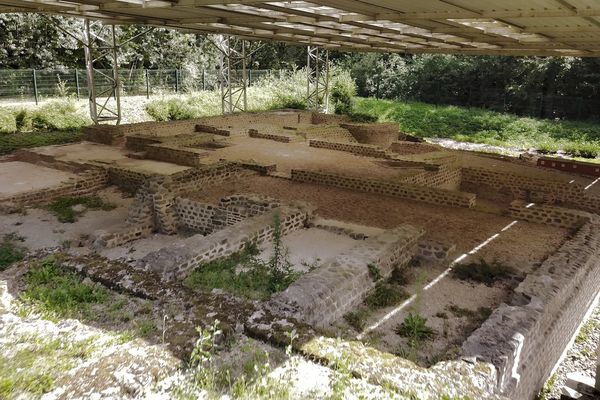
(317, 85)
(233, 73)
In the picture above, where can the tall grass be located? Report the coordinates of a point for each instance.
(482, 126)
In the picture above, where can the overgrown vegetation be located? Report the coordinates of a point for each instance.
(415, 329)
(483, 272)
(15, 141)
(357, 319)
(11, 250)
(245, 274)
(56, 293)
(385, 295)
(57, 115)
(66, 208)
(481, 126)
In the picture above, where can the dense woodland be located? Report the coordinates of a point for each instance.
(546, 87)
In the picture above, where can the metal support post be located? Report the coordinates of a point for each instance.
(233, 74)
(100, 46)
(35, 88)
(317, 85)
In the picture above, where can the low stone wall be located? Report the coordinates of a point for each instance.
(432, 250)
(86, 183)
(379, 134)
(525, 338)
(402, 190)
(528, 188)
(446, 177)
(195, 179)
(212, 129)
(139, 143)
(330, 291)
(175, 154)
(253, 133)
(407, 148)
(549, 215)
(105, 134)
(207, 218)
(126, 179)
(354, 148)
(177, 260)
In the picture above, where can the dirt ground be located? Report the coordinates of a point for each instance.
(299, 155)
(463, 227)
(19, 177)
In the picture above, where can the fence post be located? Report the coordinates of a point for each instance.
(35, 88)
(147, 84)
(203, 79)
(249, 77)
(77, 82)
(176, 81)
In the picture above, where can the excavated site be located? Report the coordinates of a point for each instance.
(427, 270)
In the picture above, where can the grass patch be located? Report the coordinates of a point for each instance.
(385, 295)
(357, 319)
(56, 293)
(481, 126)
(585, 331)
(31, 366)
(63, 208)
(481, 314)
(483, 272)
(415, 329)
(14, 141)
(244, 274)
(11, 251)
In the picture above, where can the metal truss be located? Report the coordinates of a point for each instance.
(317, 87)
(101, 49)
(233, 73)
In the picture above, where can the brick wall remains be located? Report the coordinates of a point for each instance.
(177, 260)
(175, 154)
(127, 179)
(403, 190)
(528, 188)
(549, 215)
(86, 183)
(525, 338)
(330, 291)
(406, 148)
(379, 134)
(253, 133)
(354, 148)
(207, 218)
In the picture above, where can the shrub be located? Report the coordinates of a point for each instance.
(7, 121)
(374, 272)
(59, 115)
(343, 90)
(171, 109)
(357, 319)
(415, 329)
(385, 295)
(483, 272)
(357, 116)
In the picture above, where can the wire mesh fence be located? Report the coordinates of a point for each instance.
(31, 84)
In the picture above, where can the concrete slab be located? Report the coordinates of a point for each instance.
(18, 177)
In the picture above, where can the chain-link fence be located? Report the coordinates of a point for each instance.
(31, 84)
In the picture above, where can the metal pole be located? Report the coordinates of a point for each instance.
(203, 79)
(89, 62)
(244, 76)
(35, 88)
(176, 81)
(117, 81)
(147, 84)
(77, 82)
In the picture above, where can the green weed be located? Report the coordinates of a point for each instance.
(243, 273)
(415, 329)
(374, 272)
(385, 295)
(63, 209)
(357, 319)
(11, 251)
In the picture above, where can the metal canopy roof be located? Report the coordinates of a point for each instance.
(493, 27)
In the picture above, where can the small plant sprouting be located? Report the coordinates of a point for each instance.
(415, 329)
(374, 272)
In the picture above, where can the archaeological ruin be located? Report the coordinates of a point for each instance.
(500, 256)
